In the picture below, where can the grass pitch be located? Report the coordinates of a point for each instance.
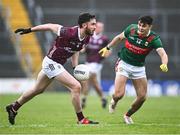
(52, 113)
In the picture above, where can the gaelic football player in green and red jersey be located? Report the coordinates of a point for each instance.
(139, 41)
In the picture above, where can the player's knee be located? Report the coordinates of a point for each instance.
(76, 88)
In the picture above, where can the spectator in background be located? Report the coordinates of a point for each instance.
(94, 62)
(69, 41)
(139, 41)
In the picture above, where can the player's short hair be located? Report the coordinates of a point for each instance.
(146, 20)
(85, 17)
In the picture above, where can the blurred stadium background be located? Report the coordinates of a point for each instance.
(20, 56)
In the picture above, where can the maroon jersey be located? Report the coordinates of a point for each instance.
(96, 43)
(66, 44)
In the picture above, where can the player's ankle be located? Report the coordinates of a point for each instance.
(115, 99)
(80, 116)
(15, 106)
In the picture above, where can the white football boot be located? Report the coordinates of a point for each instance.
(128, 120)
(112, 106)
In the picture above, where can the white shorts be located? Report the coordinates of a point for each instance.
(94, 67)
(51, 68)
(130, 71)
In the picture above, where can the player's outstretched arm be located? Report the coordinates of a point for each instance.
(164, 59)
(116, 40)
(44, 27)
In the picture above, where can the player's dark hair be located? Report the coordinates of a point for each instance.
(85, 17)
(146, 20)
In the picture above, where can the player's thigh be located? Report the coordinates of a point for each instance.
(42, 81)
(93, 78)
(120, 83)
(140, 86)
(68, 80)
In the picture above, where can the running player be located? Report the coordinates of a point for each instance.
(69, 41)
(139, 41)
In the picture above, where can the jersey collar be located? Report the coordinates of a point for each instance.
(149, 33)
(146, 35)
(79, 35)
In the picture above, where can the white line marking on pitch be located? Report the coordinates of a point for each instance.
(24, 126)
(158, 124)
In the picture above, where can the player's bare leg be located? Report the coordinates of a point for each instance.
(41, 83)
(98, 89)
(141, 91)
(75, 87)
(120, 83)
(85, 89)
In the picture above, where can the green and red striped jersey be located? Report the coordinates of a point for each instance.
(136, 47)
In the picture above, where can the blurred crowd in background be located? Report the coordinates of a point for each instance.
(20, 57)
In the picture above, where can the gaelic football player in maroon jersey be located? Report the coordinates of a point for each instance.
(139, 41)
(69, 41)
(94, 62)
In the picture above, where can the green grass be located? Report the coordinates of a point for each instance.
(52, 113)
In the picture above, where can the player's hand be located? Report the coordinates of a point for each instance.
(22, 31)
(163, 67)
(103, 51)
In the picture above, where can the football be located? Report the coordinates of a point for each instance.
(81, 72)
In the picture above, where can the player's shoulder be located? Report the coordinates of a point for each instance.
(131, 29)
(154, 35)
(132, 26)
(70, 31)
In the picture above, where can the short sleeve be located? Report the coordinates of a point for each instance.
(157, 43)
(128, 30)
(59, 29)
